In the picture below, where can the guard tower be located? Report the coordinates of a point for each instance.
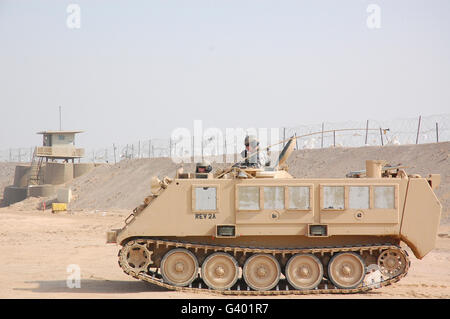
(57, 145)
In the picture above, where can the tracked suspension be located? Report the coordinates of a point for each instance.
(237, 270)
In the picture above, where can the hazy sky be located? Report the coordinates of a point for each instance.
(140, 69)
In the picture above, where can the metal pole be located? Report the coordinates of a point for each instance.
(437, 133)
(334, 138)
(322, 135)
(60, 118)
(284, 136)
(149, 147)
(381, 136)
(296, 141)
(224, 157)
(367, 131)
(139, 149)
(418, 130)
(114, 148)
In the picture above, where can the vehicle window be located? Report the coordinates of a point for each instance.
(384, 197)
(205, 198)
(333, 197)
(299, 197)
(359, 197)
(248, 198)
(273, 197)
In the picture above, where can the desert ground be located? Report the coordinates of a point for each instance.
(40, 250)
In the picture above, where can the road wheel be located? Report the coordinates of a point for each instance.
(304, 271)
(220, 271)
(261, 272)
(346, 270)
(179, 267)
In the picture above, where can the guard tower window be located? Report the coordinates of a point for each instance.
(299, 197)
(205, 199)
(248, 198)
(384, 197)
(359, 197)
(274, 197)
(333, 197)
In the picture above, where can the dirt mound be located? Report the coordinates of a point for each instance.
(120, 186)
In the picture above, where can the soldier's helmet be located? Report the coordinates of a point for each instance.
(251, 140)
(203, 167)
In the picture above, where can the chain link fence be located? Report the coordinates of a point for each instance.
(418, 130)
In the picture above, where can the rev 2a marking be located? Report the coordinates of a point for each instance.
(205, 216)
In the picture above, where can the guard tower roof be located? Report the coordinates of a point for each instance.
(59, 132)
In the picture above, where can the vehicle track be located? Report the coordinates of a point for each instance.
(149, 272)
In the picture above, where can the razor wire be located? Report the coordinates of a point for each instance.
(435, 128)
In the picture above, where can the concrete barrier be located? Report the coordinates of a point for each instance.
(64, 195)
(58, 173)
(82, 168)
(21, 175)
(41, 190)
(13, 194)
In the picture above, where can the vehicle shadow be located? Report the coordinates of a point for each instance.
(93, 286)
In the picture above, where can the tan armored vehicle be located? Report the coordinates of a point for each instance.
(256, 231)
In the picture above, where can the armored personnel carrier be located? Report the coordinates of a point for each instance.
(252, 231)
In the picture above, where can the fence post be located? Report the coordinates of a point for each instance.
(367, 131)
(381, 136)
(149, 147)
(193, 148)
(418, 130)
(437, 133)
(322, 136)
(334, 138)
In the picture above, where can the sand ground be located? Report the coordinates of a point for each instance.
(38, 249)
